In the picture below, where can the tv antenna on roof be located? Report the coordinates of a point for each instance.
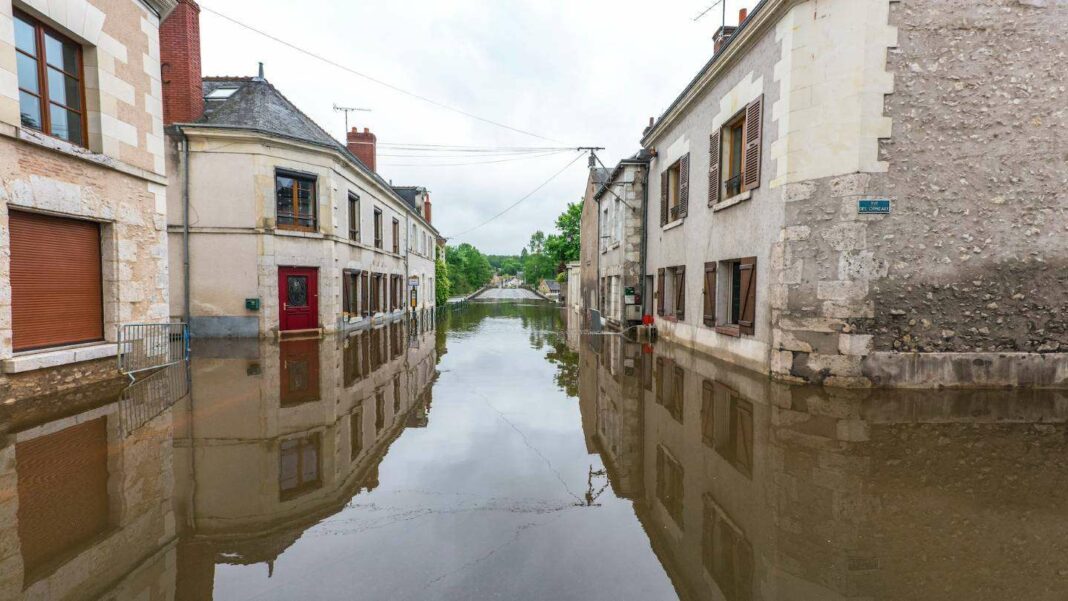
(347, 110)
(709, 9)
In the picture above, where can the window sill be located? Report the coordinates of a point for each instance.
(298, 233)
(735, 200)
(673, 224)
(55, 357)
(731, 330)
(61, 146)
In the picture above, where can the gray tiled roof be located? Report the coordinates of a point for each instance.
(258, 105)
(408, 193)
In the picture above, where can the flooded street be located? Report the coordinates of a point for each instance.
(498, 453)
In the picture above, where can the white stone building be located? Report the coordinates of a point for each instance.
(286, 228)
(82, 184)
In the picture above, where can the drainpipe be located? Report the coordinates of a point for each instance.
(645, 236)
(185, 228)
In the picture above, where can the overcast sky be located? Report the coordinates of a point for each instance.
(580, 72)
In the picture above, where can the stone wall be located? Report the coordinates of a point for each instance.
(968, 270)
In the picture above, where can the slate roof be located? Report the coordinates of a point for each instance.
(258, 105)
(408, 193)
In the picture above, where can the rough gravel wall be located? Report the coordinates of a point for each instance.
(976, 249)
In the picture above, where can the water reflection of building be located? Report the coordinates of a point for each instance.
(754, 490)
(278, 436)
(85, 504)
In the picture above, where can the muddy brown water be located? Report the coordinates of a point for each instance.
(497, 453)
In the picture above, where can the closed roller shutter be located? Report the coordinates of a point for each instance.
(56, 291)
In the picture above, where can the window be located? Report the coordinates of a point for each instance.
(709, 317)
(675, 191)
(734, 154)
(396, 237)
(740, 295)
(221, 93)
(605, 227)
(378, 228)
(669, 481)
(354, 217)
(351, 301)
(50, 76)
(671, 292)
(413, 240)
(298, 466)
(296, 201)
(396, 395)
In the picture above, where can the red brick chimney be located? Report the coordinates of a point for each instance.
(426, 207)
(364, 146)
(179, 49)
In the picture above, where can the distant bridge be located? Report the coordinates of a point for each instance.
(506, 294)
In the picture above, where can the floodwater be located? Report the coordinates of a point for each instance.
(496, 452)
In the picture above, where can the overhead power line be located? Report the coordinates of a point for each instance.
(507, 160)
(516, 203)
(374, 79)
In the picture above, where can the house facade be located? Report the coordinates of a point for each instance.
(82, 185)
(309, 236)
(589, 251)
(839, 196)
(621, 204)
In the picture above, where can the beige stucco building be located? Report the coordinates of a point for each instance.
(851, 192)
(82, 184)
(286, 228)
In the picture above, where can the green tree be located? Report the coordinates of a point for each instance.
(568, 225)
(468, 268)
(443, 288)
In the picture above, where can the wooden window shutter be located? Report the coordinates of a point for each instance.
(710, 295)
(748, 296)
(664, 198)
(684, 185)
(660, 281)
(754, 114)
(713, 168)
(365, 283)
(680, 293)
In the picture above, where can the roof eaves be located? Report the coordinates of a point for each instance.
(337, 147)
(730, 48)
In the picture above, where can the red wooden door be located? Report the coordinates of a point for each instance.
(298, 298)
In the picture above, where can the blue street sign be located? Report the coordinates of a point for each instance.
(873, 206)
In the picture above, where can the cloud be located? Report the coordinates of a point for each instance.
(587, 72)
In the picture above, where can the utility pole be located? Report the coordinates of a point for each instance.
(347, 110)
(593, 154)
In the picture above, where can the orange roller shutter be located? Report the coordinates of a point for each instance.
(56, 290)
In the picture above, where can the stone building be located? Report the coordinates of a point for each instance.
(307, 236)
(589, 250)
(870, 192)
(621, 203)
(82, 185)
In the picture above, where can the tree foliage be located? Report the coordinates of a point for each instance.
(443, 289)
(468, 269)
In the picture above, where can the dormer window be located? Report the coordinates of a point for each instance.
(221, 93)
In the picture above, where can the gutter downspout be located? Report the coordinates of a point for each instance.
(645, 235)
(185, 229)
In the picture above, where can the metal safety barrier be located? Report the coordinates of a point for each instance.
(152, 345)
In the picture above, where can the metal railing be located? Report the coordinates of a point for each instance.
(152, 345)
